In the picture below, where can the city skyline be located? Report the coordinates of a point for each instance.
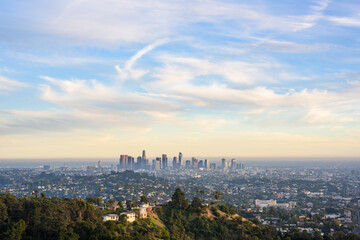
(259, 79)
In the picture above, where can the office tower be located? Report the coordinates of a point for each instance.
(143, 160)
(206, 164)
(143, 155)
(174, 165)
(223, 163)
(240, 166)
(158, 159)
(201, 164)
(233, 164)
(138, 163)
(164, 161)
(180, 160)
(130, 161)
(99, 164)
(213, 166)
(187, 164)
(194, 163)
(122, 161)
(158, 164)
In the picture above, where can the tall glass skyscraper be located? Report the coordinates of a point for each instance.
(180, 160)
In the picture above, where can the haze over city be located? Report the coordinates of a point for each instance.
(95, 79)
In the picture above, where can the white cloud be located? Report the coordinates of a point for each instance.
(25, 122)
(57, 60)
(236, 72)
(345, 21)
(128, 72)
(7, 85)
(92, 96)
(288, 46)
(111, 22)
(177, 80)
(320, 115)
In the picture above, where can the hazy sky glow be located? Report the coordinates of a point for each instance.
(91, 78)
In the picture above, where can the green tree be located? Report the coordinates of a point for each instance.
(68, 234)
(178, 198)
(14, 231)
(144, 199)
(196, 202)
(129, 204)
(217, 195)
(3, 212)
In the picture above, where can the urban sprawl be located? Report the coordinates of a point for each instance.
(309, 198)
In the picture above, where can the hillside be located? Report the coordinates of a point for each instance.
(36, 217)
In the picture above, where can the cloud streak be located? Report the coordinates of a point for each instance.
(7, 85)
(128, 72)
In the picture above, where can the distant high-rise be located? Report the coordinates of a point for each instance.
(164, 161)
(187, 164)
(130, 163)
(223, 163)
(158, 164)
(201, 164)
(143, 155)
(158, 159)
(122, 161)
(143, 160)
(138, 163)
(194, 163)
(233, 164)
(180, 160)
(206, 164)
(174, 163)
(242, 166)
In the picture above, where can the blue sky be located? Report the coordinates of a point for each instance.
(94, 78)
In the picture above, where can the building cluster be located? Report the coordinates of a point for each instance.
(140, 212)
(162, 163)
(273, 203)
(95, 168)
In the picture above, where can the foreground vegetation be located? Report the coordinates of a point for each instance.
(73, 219)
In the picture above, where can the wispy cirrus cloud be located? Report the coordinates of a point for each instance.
(54, 120)
(8, 85)
(57, 60)
(128, 71)
(114, 23)
(345, 20)
(94, 96)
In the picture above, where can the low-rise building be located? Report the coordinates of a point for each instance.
(265, 203)
(130, 216)
(111, 217)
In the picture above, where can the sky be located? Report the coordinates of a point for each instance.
(91, 78)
